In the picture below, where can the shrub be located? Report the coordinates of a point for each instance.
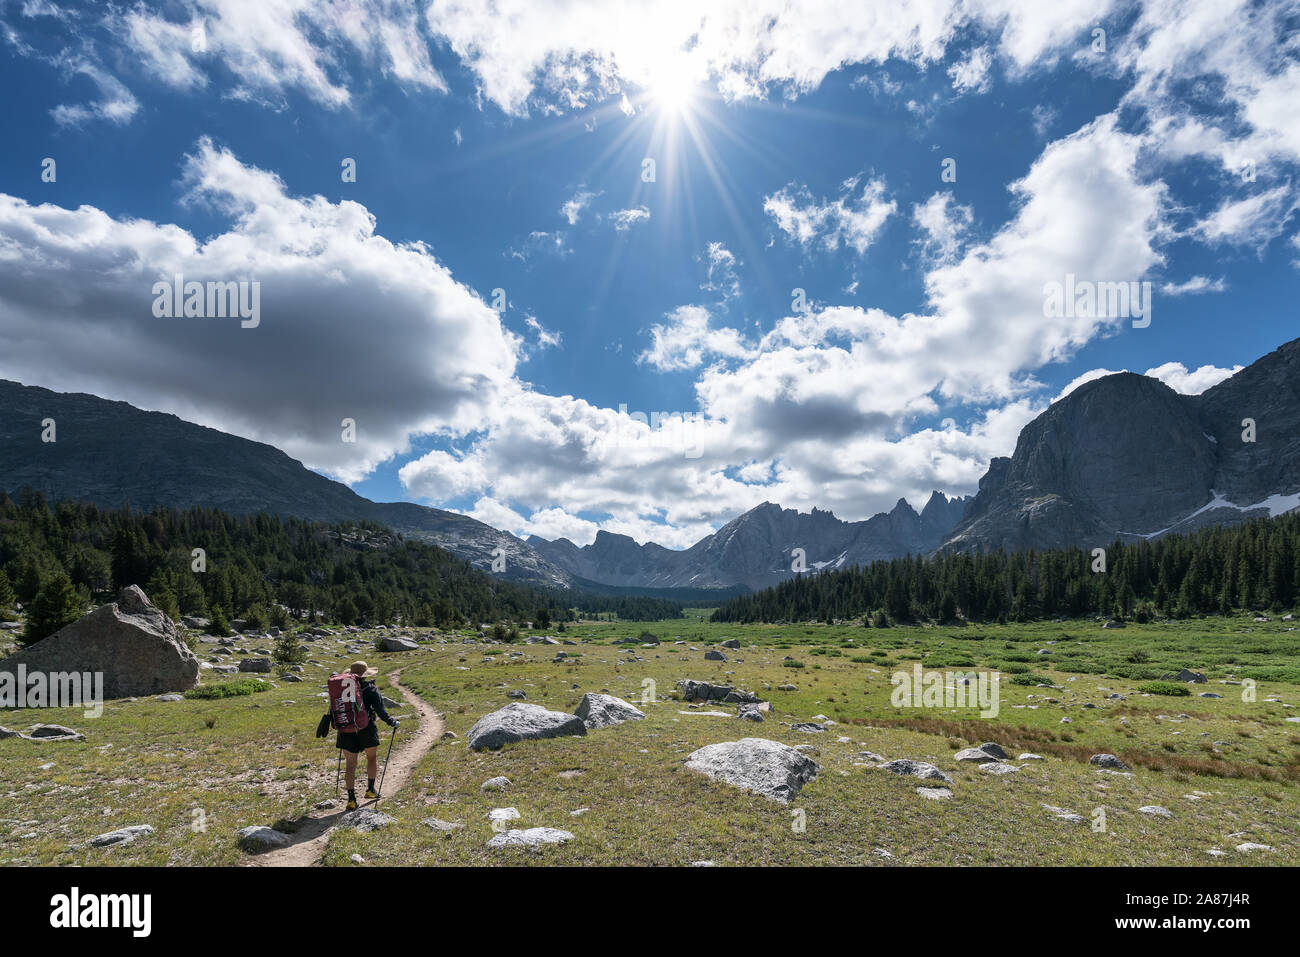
(1030, 679)
(1173, 689)
(256, 616)
(792, 663)
(287, 652)
(278, 616)
(230, 689)
(217, 624)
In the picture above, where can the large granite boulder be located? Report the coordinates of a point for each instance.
(605, 710)
(396, 643)
(765, 767)
(521, 722)
(133, 643)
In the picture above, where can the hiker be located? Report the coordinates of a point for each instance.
(356, 726)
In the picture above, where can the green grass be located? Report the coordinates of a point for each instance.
(1228, 768)
(229, 689)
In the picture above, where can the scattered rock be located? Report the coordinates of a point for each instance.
(532, 837)
(934, 794)
(998, 768)
(1108, 761)
(1155, 810)
(1066, 815)
(393, 643)
(702, 690)
(604, 711)
(499, 783)
(365, 819)
(520, 722)
(53, 732)
(444, 826)
(764, 767)
(123, 835)
(261, 838)
(917, 769)
(256, 665)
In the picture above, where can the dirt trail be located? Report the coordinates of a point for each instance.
(310, 840)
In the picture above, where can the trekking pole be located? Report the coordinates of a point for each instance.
(385, 771)
(338, 773)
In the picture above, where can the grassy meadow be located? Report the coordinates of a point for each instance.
(1227, 769)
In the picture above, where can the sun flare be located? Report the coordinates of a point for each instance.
(672, 88)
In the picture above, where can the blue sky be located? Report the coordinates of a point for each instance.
(503, 147)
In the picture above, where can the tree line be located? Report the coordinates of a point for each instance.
(1253, 566)
(60, 559)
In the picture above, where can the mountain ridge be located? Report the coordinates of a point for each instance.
(1125, 456)
(180, 464)
(756, 548)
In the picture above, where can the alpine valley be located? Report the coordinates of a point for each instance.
(1123, 456)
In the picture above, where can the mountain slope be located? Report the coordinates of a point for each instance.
(1127, 456)
(757, 548)
(112, 453)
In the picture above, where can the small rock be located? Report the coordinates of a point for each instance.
(917, 769)
(365, 819)
(532, 837)
(1108, 761)
(260, 838)
(123, 835)
(934, 794)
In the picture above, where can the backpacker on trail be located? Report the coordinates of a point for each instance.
(347, 712)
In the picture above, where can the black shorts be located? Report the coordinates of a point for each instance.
(357, 741)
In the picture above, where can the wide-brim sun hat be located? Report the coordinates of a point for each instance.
(362, 670)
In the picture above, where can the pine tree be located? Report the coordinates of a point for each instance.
(55, 606)
(7, 597)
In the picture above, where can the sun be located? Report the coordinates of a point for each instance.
(672, 91)
(671, 84)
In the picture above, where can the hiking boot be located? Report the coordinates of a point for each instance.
(370, 793)
(352, 804)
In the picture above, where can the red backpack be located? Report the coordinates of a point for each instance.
(347, 713)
